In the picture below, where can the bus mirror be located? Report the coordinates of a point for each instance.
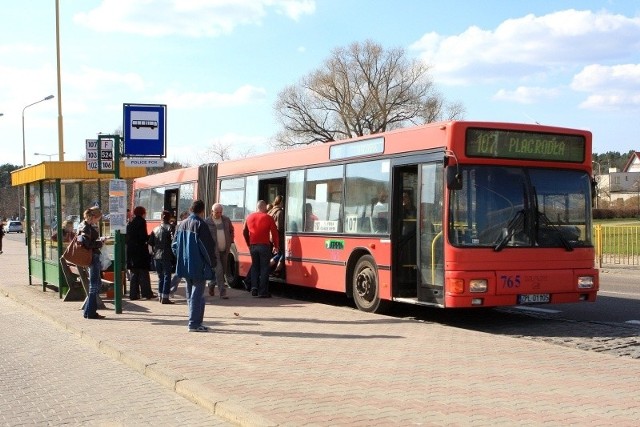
(454, 178)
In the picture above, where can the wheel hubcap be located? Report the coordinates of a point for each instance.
(364, 284)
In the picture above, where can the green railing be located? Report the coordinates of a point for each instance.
(617, 245)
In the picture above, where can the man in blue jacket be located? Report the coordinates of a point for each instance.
(195, 252)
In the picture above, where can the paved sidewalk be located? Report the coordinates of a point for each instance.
(279, 362)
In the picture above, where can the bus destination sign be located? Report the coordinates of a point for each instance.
(507, 144)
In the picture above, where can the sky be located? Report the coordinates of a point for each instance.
(218, 65)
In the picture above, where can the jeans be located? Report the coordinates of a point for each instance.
(196, 302)
(95, 282)
(175, 281)
(163, 268)
(260, 257)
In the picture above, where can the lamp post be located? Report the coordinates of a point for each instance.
(24, 147)
(43, 154)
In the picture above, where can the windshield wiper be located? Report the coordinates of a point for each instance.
(515, 223)
(547, 222)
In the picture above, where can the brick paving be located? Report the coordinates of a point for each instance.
(279, 362)
(49, 377)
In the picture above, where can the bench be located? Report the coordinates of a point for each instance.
(78, 281)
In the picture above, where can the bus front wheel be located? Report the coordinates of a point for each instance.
(365, 286)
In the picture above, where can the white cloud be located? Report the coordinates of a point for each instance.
(294, 9)
(94, 81)
(610, 87)
(21, 49)
(530, 46)
(598, 77)
(191, 18)
(242, 96)
(526, 95)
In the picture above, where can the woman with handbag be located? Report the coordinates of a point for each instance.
(90, 239)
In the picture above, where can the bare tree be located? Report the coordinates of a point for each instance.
(359, 90)
(218, 151)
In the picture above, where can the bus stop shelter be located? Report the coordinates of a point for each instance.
(56, 193)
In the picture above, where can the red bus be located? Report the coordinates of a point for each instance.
(451, 214)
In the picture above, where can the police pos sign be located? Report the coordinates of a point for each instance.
(145, 129)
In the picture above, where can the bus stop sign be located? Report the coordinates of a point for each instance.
(145, 130)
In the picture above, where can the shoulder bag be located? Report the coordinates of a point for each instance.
(78, 254)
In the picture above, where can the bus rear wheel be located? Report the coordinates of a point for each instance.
(365, 286)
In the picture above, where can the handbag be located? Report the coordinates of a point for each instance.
(78, 254)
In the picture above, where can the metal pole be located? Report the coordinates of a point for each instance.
(60, 127)
(119, 243)
(24, 146)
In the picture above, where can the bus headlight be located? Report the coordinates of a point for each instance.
(585, 282)
(478, 285)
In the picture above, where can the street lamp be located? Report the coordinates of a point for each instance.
(24, 148)
(43, 154)
(598, 181)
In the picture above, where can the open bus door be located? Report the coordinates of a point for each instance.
(418, 250)
(431, 234)
(268, 188)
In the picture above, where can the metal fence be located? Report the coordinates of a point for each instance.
(617, 245)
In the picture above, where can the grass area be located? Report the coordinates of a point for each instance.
(617, 221)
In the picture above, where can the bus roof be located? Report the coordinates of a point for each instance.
(168, 178)
(432, 136)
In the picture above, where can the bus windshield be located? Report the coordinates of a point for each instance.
(501, 207)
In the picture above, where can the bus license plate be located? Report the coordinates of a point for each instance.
(533, 299)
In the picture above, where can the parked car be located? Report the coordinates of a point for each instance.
(13, 227)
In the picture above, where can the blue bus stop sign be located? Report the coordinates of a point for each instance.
(145, 130)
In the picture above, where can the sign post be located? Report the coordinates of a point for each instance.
(111, 144)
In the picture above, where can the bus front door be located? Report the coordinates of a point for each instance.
(418, 265)
(430, 244)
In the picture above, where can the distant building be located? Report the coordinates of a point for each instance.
(624, 185)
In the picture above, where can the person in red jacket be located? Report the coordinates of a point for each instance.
(260, 232)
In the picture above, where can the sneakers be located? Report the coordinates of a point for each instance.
(254, 292)
(200, 328)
